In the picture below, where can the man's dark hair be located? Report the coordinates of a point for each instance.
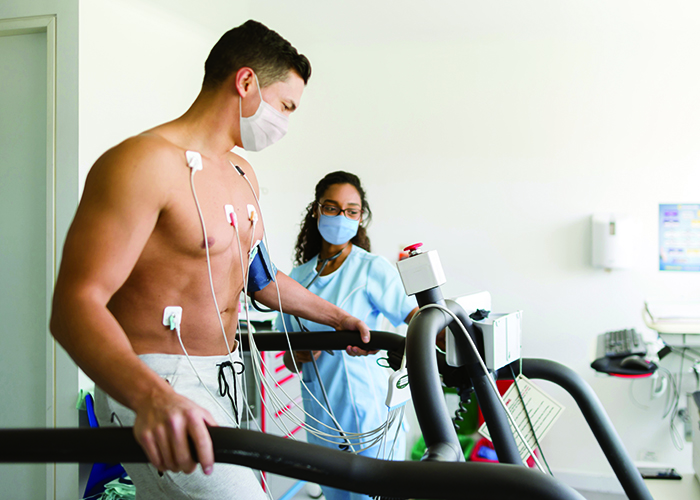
(254, 45)
(309, 239)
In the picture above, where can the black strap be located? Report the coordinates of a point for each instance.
(224, 389)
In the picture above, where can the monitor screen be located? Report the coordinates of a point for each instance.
(679, 237)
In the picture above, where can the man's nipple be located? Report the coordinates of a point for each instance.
(210, 242)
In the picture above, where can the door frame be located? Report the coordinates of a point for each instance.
(25, 26)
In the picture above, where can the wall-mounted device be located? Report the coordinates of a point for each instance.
(679, 237)
(611, 239)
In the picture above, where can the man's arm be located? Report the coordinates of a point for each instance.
(298, 301)
(121, 203)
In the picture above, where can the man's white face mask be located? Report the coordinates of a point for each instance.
(265, 127)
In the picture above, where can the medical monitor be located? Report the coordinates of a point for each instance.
(679, 237)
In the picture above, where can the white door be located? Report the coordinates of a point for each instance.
(23, 234)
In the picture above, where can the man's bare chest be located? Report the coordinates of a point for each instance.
(200, 216)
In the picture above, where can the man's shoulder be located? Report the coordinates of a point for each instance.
(144, 158)
(148, 148)
(143, 167)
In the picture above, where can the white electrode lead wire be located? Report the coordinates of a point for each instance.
(257, 359)
(211, 279)
(279, 299)
(255, 354)
(218, 314)
(213, 293)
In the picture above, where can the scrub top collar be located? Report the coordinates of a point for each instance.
(325, 279)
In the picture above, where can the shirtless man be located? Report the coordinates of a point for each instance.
(137, 246)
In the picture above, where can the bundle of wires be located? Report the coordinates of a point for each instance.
(276, 405)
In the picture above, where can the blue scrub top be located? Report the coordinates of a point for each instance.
(368, 287)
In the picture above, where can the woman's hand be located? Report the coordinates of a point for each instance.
(357, 351)
(300, 357)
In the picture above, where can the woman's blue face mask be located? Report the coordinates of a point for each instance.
(337, 230)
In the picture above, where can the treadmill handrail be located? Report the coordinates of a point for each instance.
(585, 397)
(320, 341)
(309, 462)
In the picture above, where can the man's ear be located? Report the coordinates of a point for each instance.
(244, 81)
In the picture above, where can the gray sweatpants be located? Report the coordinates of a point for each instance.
(229, 482)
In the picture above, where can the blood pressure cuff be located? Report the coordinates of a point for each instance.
(261, 269)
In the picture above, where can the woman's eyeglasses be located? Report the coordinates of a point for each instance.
(351, 213)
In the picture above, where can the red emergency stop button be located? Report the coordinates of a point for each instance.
(413, 247)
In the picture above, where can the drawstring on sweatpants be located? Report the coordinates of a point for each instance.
(224, 389)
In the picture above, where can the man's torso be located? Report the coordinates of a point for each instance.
(172, 268)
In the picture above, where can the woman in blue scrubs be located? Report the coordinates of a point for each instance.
(333, 261)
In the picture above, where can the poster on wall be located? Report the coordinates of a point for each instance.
(679, 237)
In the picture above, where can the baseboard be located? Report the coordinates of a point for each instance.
(583, 481)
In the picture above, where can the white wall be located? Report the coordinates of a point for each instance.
(62, 377)
(491, 131)
(141, 64)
